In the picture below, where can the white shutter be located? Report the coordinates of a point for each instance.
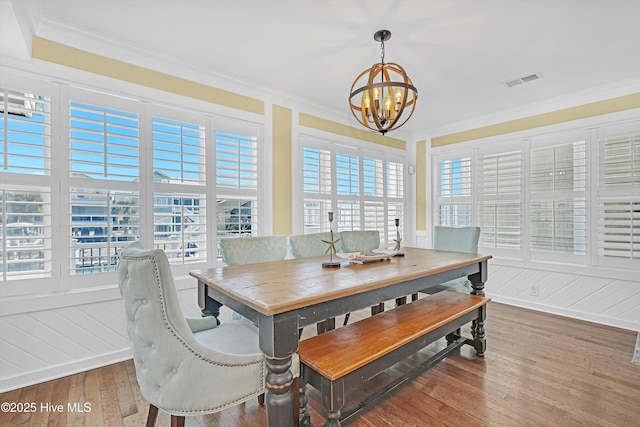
(454, 191)
(25, 189)
(347, 174)
(103, 142)
(104, 166)
(620, 160)
(619, 230)
(316, 171)
(395, 180)
(557, 206)
(363, 189)
(236, 160)
(500, 207)
(25, 133)
(102, 222)
(25, 234)
(178, 152)
(619, 195)
(179, 226)
(236, 170)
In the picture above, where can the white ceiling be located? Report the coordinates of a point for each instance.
(458, 53)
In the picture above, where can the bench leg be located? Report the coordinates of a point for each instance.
(332, 400)
(478, 333)
(303, 414)
(377, 309)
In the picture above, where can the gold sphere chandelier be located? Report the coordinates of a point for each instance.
(383, 97)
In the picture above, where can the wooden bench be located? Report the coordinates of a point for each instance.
(345, 358)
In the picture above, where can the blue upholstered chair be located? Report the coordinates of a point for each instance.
(455, 239)
(252, 250)
(355, 241)
(308, 245)
(185, 366)
(249, 250)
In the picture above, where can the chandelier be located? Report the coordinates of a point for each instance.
(382, 98)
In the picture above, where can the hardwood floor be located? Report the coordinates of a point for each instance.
(539, 370)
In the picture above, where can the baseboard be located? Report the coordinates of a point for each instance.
(63, 370)
(589, 317)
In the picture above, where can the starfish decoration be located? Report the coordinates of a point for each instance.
(398, 239)
(332, 244)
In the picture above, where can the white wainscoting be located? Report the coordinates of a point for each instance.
(44, 344)
(37, 346)
(573, 292)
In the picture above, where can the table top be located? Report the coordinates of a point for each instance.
(280, 286)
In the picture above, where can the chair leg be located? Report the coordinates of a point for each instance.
(346, 319)
(261, 399)
(177, 421)
(152, 416)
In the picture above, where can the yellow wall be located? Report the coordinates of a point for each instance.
(593, 109)
(344, 130)
(282, 179)
(421, 185)
(57, 53)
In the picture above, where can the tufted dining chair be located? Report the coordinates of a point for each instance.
(249, 250)
(185, 366)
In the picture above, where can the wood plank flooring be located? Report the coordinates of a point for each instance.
(539, 370)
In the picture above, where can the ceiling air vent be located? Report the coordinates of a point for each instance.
(524, 79)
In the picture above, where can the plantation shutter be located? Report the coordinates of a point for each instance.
(500, 206)
(619, 194)
(454, 192)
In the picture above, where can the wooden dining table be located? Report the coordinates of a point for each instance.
(283, 296)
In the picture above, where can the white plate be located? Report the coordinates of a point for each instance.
(359, 258)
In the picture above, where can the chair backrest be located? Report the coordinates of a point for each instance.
(355, 241)
(250, 250)
(456, 239)
(172, 366)
(307, 245)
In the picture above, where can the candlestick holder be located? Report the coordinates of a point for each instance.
(332, 247)
(398, 239)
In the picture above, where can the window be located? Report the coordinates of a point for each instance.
(364, 189)
(500, 205)
(104, 188)
(557, 206)
(25, 189)
(619, 194)
(179, 179)
(568, 196)
(236, 177)
(454, 192)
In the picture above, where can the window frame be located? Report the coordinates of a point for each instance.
(363, 150)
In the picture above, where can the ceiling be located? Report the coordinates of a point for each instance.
(458, 53)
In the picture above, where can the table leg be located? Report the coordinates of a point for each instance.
(208, 305)
(278, 342)
(477, 280)
(279, 399)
